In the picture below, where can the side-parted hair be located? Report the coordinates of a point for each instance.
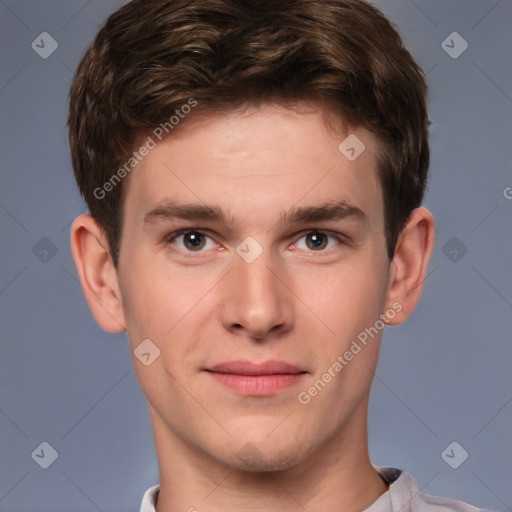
(154, 57)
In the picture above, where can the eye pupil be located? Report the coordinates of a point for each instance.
(193, 241)
(316, 241)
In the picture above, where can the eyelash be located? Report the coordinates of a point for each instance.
(170, 239)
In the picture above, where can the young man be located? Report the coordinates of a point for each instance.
(254, 171)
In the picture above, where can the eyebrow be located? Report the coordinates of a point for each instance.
(170, 210)
(338, 210)
(330, 211)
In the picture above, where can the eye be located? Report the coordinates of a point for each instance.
(192, 241)
(317, 241)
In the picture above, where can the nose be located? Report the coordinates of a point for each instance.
(256, 301)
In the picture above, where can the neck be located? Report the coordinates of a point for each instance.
(336, 476)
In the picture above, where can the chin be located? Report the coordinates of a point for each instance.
(251, 459)
(266, 455)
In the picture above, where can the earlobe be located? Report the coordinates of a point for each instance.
(409, 265)
(97, 273)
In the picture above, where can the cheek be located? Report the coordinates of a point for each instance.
(147, 300)
(164, 306)
(344, 299)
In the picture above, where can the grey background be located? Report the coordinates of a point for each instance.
(444, 376)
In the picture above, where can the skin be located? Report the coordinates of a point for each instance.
(218, 449)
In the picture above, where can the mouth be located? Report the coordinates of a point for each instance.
(253, 379)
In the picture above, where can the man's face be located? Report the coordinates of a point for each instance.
(250, 238)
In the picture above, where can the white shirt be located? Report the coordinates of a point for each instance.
(402, 495)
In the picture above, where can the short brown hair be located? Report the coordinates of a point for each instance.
(153, 56)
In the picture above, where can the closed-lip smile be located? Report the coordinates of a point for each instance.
(256, 379)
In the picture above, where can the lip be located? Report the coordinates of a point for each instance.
(256, 379)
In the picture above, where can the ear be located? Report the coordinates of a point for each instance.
(408, 268)
(97, 273)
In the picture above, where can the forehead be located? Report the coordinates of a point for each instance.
(258, 163)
